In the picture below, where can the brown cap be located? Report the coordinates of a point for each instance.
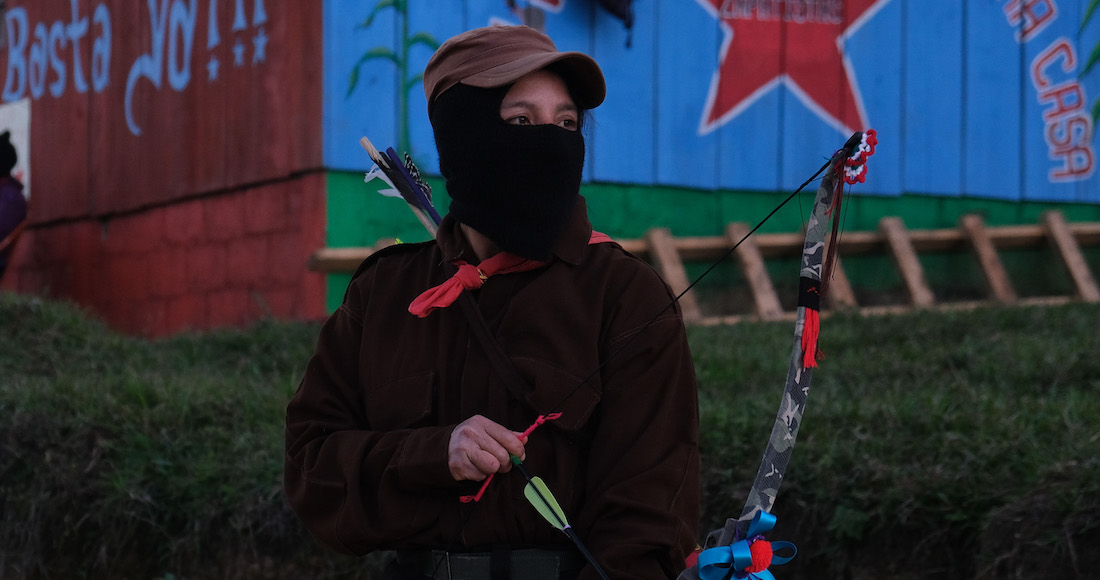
(495, 56)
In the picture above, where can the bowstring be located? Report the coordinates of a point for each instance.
(553, 408)
(556, 406)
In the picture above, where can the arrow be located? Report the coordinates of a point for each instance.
(395, 174)
(539, 495)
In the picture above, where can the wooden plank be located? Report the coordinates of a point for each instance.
(933, 135)
(692, 248)
(636, 247)
(854, 243)
(837, 290)
(662, 248)
(669, 254)
(873, 52)
(780, 245)
(1057, 169)
(678, 101)
(372, 107)
(761, 122)
(347, 260)
(436, 20)
(838, 293)
(214, 108)
(62, 137)
(629, 70)
(1060, 237)
(991, 66)
(752, 265)
(331, 260)
(698, 248)
(944, 240)
(1000, 287)
(804, 132)
(905, 256)
(1086, 234)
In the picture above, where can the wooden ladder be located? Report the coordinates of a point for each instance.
(669, 254)
(892, 237)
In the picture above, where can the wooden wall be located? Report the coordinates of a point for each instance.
(995, 99)
(174, 158)
(141, 102)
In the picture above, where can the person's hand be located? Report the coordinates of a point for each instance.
(480, 447)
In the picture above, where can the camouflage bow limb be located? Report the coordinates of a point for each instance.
(777, 455)
(780, 446)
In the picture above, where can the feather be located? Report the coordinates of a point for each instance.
(539, 495)
(377, 173)
(398, 176)
(547, 505)
(404, 180)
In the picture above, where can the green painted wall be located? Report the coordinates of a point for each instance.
(357, 216)
(625, 211)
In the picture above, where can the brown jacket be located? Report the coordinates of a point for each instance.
(367, 431)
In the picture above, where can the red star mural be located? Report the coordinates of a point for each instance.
(800, 44)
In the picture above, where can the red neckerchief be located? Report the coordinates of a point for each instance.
(470, 277)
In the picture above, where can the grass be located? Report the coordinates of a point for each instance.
(130, 458)
(925, 435)
(935, 445)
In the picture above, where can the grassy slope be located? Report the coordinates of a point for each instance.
(957, 444)
(935, 445)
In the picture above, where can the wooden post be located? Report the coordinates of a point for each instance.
(663, 249)
(839, 293)
(901, 248)
(345, 260)
(752, 263)
(1060, 236)
(973, 229)
(838, 290)
(669, 254)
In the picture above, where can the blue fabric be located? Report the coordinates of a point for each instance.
(730, 561)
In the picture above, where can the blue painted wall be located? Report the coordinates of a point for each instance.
(979, 98)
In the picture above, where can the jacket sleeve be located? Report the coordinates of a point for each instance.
(641, 518)
(337, 467)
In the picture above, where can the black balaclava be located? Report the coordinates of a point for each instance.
(516, 184)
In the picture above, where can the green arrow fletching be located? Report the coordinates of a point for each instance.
(539, 495)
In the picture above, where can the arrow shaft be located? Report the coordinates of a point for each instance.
(561, 524)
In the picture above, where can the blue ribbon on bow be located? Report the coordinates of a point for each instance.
(717, 563)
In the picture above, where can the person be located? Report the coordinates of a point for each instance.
(13, 204)
(403, 410)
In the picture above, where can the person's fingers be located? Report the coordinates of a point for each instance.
(523, 445)
(504, 443)
(484, 435)
(479, 446)
(463, 467)
(488, 462)
(467, 461)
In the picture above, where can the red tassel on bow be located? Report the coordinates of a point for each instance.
(810, 333)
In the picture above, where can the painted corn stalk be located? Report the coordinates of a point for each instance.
(399, 58)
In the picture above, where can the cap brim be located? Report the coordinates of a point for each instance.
(581, 74)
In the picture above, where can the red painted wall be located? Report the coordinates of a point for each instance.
(222, 261)
(176, 172)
